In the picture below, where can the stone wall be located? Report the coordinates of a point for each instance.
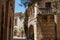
(46, 27)
(58, 26)
(6, 19)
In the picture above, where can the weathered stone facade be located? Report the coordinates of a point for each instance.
(18, 30)
(6, 19)
(45, 20)
(46, 24)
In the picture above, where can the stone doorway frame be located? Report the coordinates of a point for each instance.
(31, 32)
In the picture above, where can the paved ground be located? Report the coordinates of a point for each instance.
(19, 39)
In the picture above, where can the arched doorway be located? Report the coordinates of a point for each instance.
(31, 32)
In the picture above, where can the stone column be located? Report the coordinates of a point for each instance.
(0, 17)
(35, 9)
(35, 31)
(58, 26)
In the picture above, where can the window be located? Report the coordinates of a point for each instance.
(48, 4)
(15, 21)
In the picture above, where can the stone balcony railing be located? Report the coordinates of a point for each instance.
(45, 11)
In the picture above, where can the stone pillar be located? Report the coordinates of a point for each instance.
(39, 27)
(39, 33)
(35, 9)
(58, 26)
(35, 31)
(0, 16)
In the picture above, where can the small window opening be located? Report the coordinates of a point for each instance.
(48, 5)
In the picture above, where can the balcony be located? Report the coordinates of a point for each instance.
(45, 11)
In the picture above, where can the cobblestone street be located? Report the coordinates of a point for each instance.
(19, 39)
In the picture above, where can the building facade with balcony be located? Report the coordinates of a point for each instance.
(43, 20)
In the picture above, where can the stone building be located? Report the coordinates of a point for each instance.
(19, 25)
(6, 19)
(44, 20)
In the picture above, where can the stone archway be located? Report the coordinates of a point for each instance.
(31, 32)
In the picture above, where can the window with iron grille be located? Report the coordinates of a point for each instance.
(48, 5)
